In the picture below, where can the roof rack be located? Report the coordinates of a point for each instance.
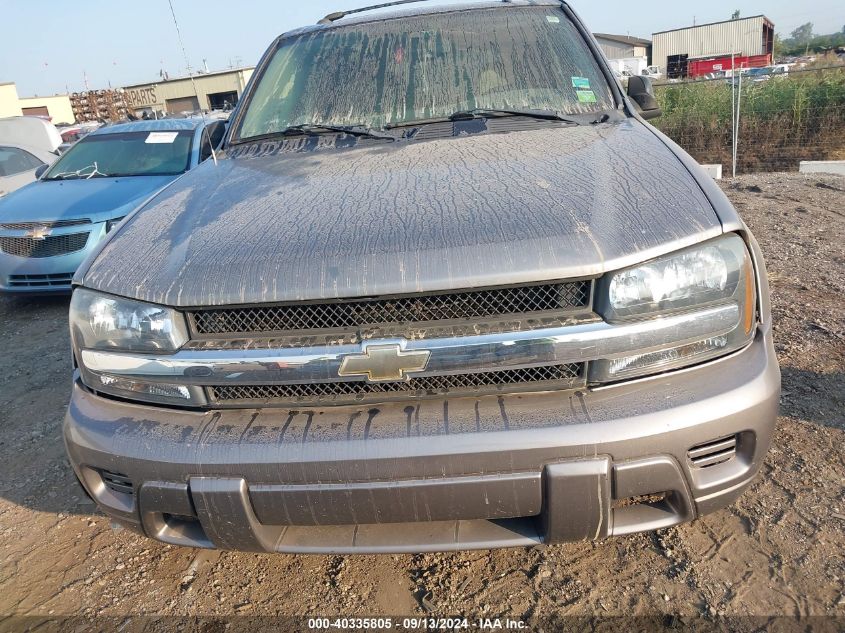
(333, 17)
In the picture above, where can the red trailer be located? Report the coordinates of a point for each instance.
(706, 65)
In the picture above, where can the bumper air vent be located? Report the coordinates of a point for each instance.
(41, 281)
(713, 453)
(117, 482)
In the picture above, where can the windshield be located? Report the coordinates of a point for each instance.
(156, 153)
(428, 66)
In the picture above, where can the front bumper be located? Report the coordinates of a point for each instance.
(433, 475)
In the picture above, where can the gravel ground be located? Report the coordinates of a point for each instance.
(780, 550)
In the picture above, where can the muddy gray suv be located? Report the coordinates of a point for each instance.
(443, 289)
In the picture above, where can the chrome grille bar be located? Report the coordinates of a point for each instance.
(447, 356)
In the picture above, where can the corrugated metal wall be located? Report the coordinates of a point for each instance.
(723, 38)
(615, 50)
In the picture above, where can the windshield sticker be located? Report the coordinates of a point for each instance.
(553, 19)
(161, 137)
(586, 96)
(580, 83)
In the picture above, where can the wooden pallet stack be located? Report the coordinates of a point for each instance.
(98, 105)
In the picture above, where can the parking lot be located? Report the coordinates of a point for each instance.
(780, 550)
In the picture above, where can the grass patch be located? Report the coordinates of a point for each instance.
(783, 121)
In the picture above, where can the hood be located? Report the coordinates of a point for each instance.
(96, 198)
(466, 211)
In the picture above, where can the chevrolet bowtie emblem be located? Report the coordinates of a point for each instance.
(384, 362)
(40, 233)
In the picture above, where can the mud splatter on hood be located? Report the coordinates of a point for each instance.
(547, 203)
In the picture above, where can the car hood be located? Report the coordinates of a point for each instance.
(487, 209)
(98, 199)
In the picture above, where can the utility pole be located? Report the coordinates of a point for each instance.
(736, 129)
(733, 114)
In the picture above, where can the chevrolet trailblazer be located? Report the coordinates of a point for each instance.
(443, 289)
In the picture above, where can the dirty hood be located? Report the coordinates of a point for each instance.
(460, 212)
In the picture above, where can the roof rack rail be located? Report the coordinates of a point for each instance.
(333, 17)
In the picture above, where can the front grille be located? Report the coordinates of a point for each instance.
(117, 482)
(48, 247)
(55, 224)
(534, 378)
(472, 304)
(40, 281)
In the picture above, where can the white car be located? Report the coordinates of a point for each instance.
(27, 144)
(653, 72)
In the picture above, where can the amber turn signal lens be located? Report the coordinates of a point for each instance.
(748, 321)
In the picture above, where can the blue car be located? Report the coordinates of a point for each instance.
(49, 227)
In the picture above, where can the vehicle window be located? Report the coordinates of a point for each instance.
(216, 132)
(428, 66)
(153, 153)
(211, 137)
(205, 146)
(15, 161)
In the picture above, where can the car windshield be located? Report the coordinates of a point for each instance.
(151, 153)
(759, 71)
(389, 72)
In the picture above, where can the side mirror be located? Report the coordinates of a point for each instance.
(39, 171)
(641, 92)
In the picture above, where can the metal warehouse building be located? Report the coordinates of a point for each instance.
(56, 107)
(746, 38)
(213, 91)
(621, 46)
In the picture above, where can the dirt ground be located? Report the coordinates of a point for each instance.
(780, 550)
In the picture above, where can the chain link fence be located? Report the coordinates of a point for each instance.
(782, 120)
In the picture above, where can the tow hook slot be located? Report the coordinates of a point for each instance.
(168, 515)
(649, 494)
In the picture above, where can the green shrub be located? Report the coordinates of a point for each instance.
(782, 121)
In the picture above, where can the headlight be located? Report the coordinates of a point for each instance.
(718, 272)
(693, 277)
(104, 322)
(110, 224)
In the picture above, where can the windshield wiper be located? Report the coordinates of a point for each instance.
(322, 128)
(483, 113)
(487, 113)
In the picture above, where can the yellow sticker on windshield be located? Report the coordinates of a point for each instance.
(553, 19)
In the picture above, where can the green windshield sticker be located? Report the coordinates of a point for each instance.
(580, 83)
(553, 19)
(586, 96)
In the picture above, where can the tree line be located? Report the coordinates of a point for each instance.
(803, 41)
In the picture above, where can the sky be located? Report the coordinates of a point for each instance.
(114, 44)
